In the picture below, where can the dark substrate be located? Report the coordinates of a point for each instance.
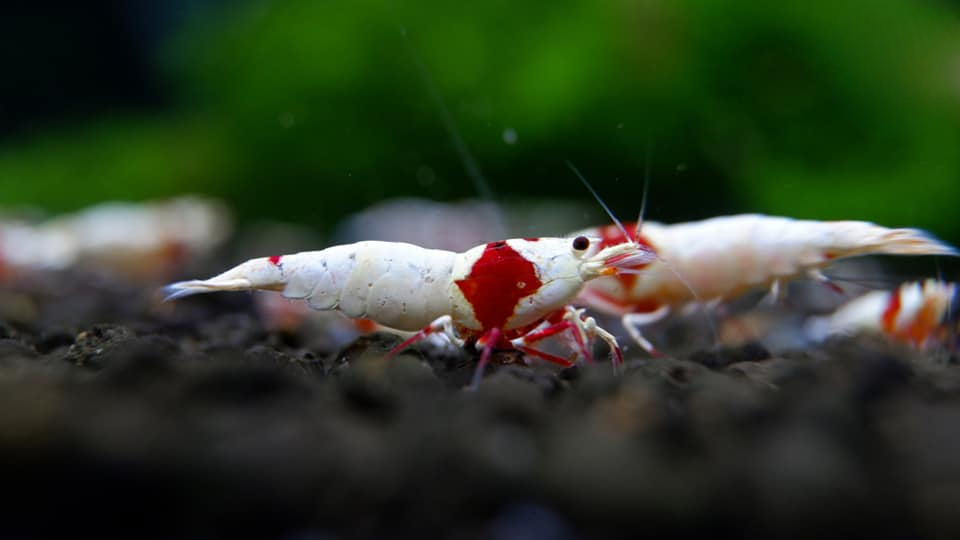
(118, 416)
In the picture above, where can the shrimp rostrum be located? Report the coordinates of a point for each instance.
(504, 295)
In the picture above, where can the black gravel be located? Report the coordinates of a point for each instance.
(119, 416)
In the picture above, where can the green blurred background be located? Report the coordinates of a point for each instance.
(310, 110)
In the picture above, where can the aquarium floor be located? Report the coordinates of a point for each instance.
(120, 416)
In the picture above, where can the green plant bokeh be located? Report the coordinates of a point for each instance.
(310, 110)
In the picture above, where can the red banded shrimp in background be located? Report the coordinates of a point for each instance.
(716, 260)
(919, 314)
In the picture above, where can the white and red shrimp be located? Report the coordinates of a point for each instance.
(453, 226)
(504, 295)
(719, 259)
(915, 313)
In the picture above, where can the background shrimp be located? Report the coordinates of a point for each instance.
(720, 258)
(507, 294)
(135, 241)
(915, 313)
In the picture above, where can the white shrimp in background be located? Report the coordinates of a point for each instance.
(505, 295)
(914, 313)
(720, 258)
(146, 240)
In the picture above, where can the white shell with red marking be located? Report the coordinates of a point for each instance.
(912, 312)
(556, 272)
(407, 287)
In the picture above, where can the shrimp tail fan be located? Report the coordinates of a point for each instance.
(255, 274)
(863, 238)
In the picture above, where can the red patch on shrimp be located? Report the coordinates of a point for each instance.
(888, 321)
(923, 325)
(365, 326)
(611, 235)
(275, 259)
(499, 279)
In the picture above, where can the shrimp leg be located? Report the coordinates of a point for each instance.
(632, 322)
(817, 275)
(552, 330)
(443, 325)
(488, 341)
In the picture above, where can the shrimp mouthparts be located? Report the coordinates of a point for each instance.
(628, 263)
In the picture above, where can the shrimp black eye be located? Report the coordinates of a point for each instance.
(581, 243)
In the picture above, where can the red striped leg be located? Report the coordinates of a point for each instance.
(441, 324)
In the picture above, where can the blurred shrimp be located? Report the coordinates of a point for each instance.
(718, 259)
(915, 313)
(137, 241)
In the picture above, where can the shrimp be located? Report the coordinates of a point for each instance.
(505, 295)
(914, 313)
(144, 241)
(720, 258)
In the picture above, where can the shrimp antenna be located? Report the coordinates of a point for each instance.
(647, 166)
(647, 158)
(696, 296)
(870, 283)
(480, 182)
(599, 200)
(643, 206)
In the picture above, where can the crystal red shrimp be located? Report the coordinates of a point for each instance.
(913, 313)
(505, 295)
(721, 258)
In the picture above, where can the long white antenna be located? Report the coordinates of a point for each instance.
(647, 166)
(480, 182)
(599, 200)
(676, 272)
(647, 159)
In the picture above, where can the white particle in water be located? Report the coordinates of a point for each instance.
(286, 119)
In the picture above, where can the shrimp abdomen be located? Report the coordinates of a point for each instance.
(399, 285)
